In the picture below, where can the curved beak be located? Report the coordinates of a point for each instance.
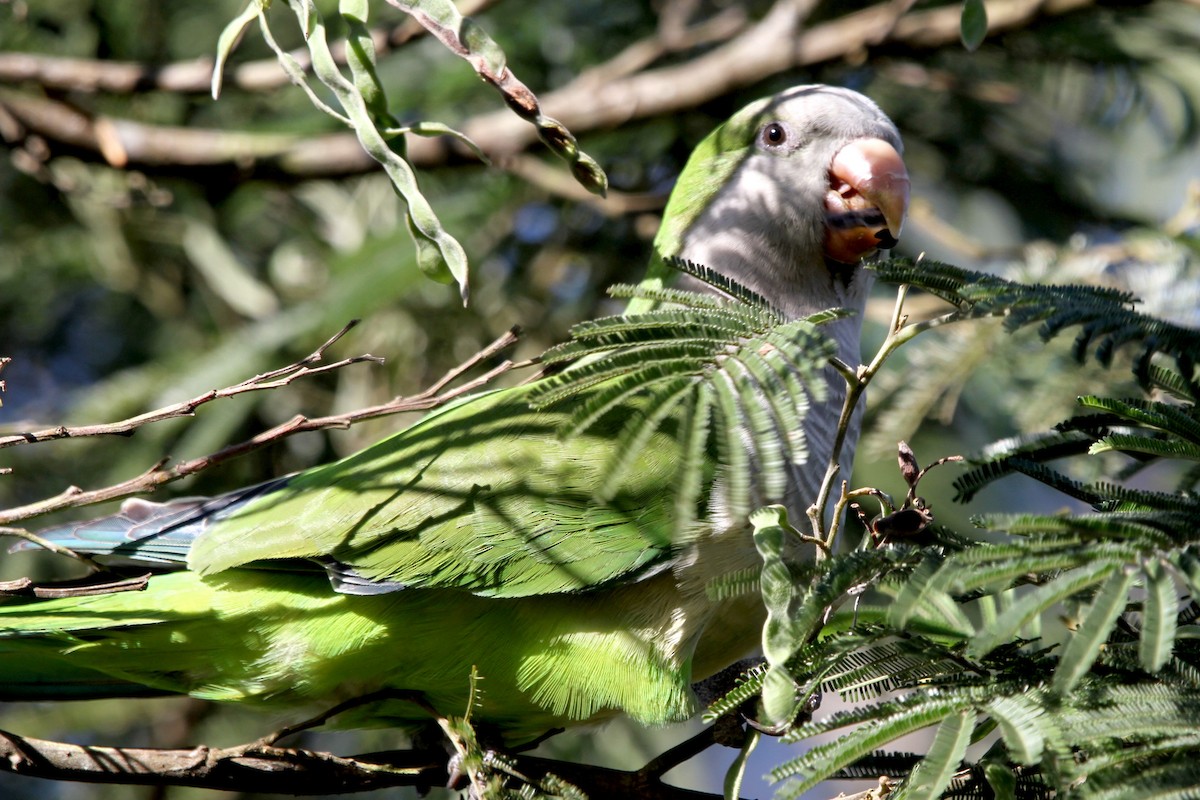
(867, 200)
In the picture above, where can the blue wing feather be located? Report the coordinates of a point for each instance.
(153, 534)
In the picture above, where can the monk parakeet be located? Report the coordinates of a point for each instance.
(477, 539)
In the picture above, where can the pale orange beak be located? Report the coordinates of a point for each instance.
(867, 200)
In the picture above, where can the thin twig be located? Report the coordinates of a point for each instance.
(684, 751)
(548, 178)
(899, 332)
(505, 341)
(355, 702)
(268, 380)
(57, 549)
(160, 473)
(138, 583)
(912, 490)
(251, 768)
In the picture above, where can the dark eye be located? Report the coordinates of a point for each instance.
(774, 134)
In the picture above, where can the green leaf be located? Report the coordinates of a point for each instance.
(439, 255)
(973, 27)
(779, 590)
(694, 461)
(1070, 530)
(737, 770)
(1173, 383)
(756, 404)
(229, 39)
(1105, 317)
(637, 432)
(924, 590)
(1010, 621)
(732, 453)
(721, 283)
(859, 668)
(1130, 443)
(1158, 618)
(467, 39)
(1017, 717)
(1001, 780)
(933, 774)
(429, 128)
(779, 695)
(360, 57)
(1085, 644)
(882, 724)
(1162, 416)
(750, 373)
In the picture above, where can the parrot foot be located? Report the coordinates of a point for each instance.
(719, 684)
(803, 715)
(728, 728)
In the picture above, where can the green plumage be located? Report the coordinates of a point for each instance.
(274, 639)
(489, 520)
(483, 496)
(572, 573)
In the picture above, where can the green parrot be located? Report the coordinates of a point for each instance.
(476, 540)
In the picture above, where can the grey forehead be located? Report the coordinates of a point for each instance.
(833, 109)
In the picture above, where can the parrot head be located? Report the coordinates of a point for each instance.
(792, 189)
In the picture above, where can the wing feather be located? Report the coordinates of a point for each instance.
(484, 496)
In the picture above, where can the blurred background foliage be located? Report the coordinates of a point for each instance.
(1064, 149)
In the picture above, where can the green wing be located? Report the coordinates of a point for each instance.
(484, 495)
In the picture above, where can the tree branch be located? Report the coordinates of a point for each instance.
(283, 770)
(161, 473)
(268, 380)
(779, 42)
(242, 768)
(190, 77)
(594, 100)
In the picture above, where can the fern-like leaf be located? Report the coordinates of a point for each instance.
(935, 772)
(1105, 317)
(1165, 417)
(726, 373)
(1083, 647)
(877, 725)
(1159, 617)
(1010, 622)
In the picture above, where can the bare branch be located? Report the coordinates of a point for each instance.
(278, 770)
(46, 544)
(778, 43)
(262, 765)
(91, 585)
(268, 380)
(192, 77)
(539, 173)
(243, 768)
(161, 473)
(672, 37)
(15, 587)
